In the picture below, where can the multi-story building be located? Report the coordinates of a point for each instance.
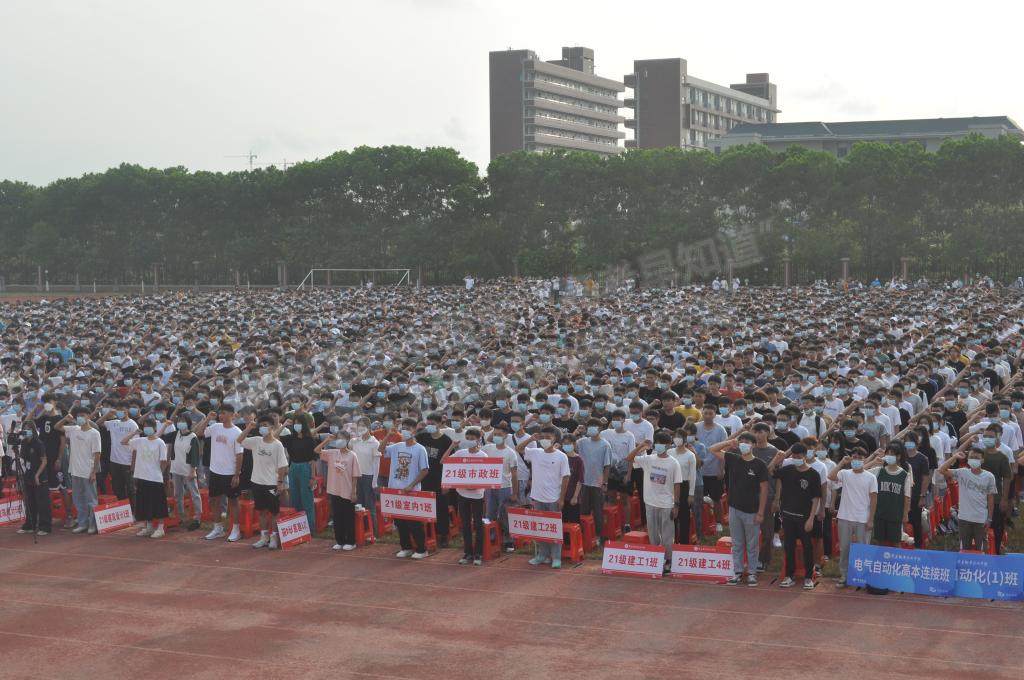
(673, 108)
(838, 138)
(538, 105)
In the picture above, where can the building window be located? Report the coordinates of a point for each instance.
(842, 151)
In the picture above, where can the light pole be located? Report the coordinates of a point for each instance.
(47, 272)
(195, 272)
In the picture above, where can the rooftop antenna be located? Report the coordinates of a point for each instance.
(251, 156)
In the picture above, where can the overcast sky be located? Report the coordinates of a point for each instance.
(89, 84)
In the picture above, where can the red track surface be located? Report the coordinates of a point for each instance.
(124, 607)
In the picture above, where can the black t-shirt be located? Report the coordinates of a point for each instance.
(920, 467)
(789, 437)
(957, 418)
(745, 477)
(799, 489)
(649, 394)
(49, 434)
(300, 449)
(671, 421)
(436, 447)
(566, 424)
(32, 452)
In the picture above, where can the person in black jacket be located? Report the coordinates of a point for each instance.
(32, 465)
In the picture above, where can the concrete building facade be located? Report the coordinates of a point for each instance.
(839, 138)
(537, 105)
(673, 108)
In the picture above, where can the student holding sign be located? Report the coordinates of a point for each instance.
(343, 476)
(269, 467)
(471, 504)
(550, 473)
(409, 466)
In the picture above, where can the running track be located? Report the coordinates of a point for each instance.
(118, 606)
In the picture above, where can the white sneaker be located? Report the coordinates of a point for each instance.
(786, 583)
(218, 531)
(78, 530)
(145, 531)
(348, 547)
(336, 546)
(403, 553)
(235, 534)
(419, 556)
(275, 543)
(776, 542)
(719, 528)
(159, 533)
(262, 543)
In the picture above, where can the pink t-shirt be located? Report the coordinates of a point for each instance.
(342, 472)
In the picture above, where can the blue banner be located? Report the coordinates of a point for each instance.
(934, 572)
(991, 577)
(923, 572)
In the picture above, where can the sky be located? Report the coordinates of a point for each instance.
(89, 84)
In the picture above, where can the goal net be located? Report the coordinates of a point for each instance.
(347, 278)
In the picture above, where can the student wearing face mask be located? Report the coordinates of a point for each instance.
(856, 505)
(300, 443)
(978, 493)
(438, 444)
(596, 455)
(149, 461)
(83, 463)
(621, 441)
(52, 439)
(498, 500)
(31, 464)
(471, 502)
(798, 488)
(120, 426)
(748, 496)
(571, 506)
(921, 466)
(550, 480)
(892, 505)
(269, 467)
(995, 461)
(366, 447)
(186, 455)
(663, 497)
(408, 467)
(684, 453)
(343, 475)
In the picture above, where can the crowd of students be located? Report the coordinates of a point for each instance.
(795, 405)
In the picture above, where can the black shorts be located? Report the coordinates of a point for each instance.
(887, 532)
(265, 498)
(220, 485)
(150, 500)
(713, 488)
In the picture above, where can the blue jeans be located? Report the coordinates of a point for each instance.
(83, 493)
(745, 533)
(497, 510)
(299, 493)
(550, 551)
(367, 497)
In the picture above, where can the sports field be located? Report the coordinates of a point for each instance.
(118, 606)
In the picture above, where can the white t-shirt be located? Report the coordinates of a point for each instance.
(267, 458)
(83, 445)
(621, 442)
(182, 445)
(367, 452)
(149, 453)
(510, 461)
(660, 477)
(687, 465)
(548, 470)
(642, 431)
(855, 502)
(470, 493)
(224, 447)
(119, 429)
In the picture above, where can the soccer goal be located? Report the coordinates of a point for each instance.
(348, 278)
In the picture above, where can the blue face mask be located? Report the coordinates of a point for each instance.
(856, 464)
(499, 439)
(850, 434)
(264, 430)
(297, 427)
(568, 448)
(182, 427)
(659, 448)
(834, 446)
(516, 426)
(133, 412)
(592, 430)
(148, 430)
(545, 417)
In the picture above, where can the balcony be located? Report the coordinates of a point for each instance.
(629, 103)
(630, 123)
(549, 105)
(570, 92)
